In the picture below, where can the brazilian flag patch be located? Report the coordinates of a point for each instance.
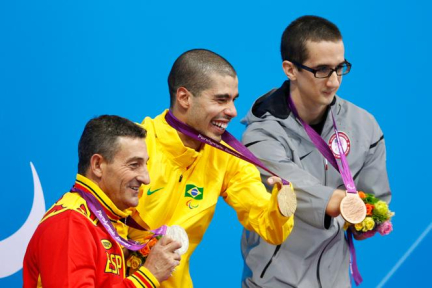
(194, 192)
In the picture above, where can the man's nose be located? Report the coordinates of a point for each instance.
(334, 80)
(231, 110)
(144, 177)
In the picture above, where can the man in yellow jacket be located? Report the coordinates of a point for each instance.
(187, 176)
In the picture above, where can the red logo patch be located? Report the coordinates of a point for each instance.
(345, 143)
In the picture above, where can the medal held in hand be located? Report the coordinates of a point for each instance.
(352, 208)
(179, 234)
(287, 201)
(137, 258)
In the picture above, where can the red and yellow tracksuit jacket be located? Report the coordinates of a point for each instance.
(71, 248)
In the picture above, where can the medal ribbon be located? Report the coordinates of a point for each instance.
(244, 154)
(342, 168)
(99, 212)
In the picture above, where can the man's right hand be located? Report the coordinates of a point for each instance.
(287, 200)
(163, 258)
(333, 206)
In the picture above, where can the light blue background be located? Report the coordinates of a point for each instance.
(63, 62)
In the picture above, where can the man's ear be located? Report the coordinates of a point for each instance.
(183, 97)
(97, 165)
(289, 69)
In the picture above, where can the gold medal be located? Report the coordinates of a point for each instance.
(287, 200)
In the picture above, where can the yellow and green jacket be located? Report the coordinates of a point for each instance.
(185, 186)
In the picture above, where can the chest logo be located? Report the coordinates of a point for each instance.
(106, 244)
(345, 143)
(192, 191)
(150, 192)
(114, 264)
(190, 203)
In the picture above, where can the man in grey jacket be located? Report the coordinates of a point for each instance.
(316, 253)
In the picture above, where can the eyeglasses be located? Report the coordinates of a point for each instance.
(326, 72)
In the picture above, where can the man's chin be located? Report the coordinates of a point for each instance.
(133, 203)
(329, 96)
(217, 138)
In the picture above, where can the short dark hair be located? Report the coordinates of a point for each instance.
(303, 29)
(193, 69)
(100, 137)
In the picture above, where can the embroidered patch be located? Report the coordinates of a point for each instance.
(191, 205)
(345, 142)
(194, 192)
(106, 244)
(114, 264)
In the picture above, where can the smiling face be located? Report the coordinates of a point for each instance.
(212, 110)
(121, 179)
(313, 93)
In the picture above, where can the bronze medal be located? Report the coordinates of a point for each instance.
(352, 208)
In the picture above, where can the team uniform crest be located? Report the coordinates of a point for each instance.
(106, 244)
(345, 143)
(194, 192)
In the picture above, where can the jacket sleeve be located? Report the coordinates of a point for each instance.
(66, 254)
(268, 141)
(256, 209)
(372, 177)
(141, 278)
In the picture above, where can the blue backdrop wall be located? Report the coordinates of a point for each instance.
(63, 62)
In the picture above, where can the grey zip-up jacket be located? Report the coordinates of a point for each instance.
(316, 253)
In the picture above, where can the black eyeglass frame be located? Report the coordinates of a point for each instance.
(314, 71)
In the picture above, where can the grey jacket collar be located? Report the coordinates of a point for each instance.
(275, 102)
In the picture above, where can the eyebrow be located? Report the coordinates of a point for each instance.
(225, 96)
(135, 159)
(326, 65)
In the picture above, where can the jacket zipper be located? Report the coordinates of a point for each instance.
(325, 171)
(268, 264)
(319, 260)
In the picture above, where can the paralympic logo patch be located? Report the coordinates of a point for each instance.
(191, 205)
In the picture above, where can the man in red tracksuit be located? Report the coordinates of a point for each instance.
(71, 247)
